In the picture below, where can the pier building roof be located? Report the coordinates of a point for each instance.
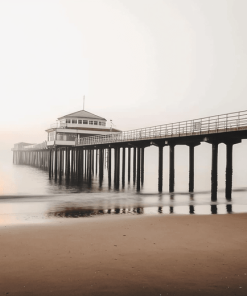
(82, 114)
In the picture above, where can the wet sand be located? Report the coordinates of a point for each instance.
(152, 255)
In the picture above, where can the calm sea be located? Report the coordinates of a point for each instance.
(28, 196)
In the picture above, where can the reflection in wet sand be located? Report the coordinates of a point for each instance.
(229, 208)
(82, 212)
(40, 209)
(77, 212)
(213, 209)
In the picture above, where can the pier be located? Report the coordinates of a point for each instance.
(89, 155)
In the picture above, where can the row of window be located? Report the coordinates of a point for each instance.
(79, 121)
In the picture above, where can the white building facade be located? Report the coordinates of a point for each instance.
(77, 125)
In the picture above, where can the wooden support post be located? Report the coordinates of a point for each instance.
(172, 173)
(104, 157)
(191, 168)
(78, 164)
(66, 162)
(60, 164)
(142, 165)
(50, 163)
(89, 165)
(100, 166)
(69, 164)
(55, 163)
(96, 161)
(72, 161)
(92, 153)
(123, 166)
(214, 172)
(103, 162)
(129, 162)
(115, 166)
(63, 170)
(85, 163)
(134, 165)
(160, 184)
(228, 188)
(39, 158)
(138, 168)
(118, 166)
(109, 166)
(82, 172)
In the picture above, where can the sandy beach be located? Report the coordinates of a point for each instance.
(151, 255)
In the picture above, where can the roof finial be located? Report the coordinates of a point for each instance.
(84, 102)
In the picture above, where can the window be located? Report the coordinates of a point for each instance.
(66, 137)
(90, 122)
(67, 120)
(95, 122)
(103, 123)
(85, 121)
(79, 121)
(52, 136)
(74, 121)
(99, 122)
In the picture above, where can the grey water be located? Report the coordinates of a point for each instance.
(28, 196)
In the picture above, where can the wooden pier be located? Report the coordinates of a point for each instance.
(88, 156)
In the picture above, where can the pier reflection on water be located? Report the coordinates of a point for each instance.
(82, 212)
(46, 208)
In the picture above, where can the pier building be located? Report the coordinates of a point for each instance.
(72, 127)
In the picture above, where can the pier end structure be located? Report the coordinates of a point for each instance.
(72, 127)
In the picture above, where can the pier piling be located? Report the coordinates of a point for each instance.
(214, 171)
(60, 164)
(191, 168)
(129, 162)
(138, 168)
(55, 163)
(50, 164)
(228, 188)
(142, 165)
(123, 166)
(160, 181)
(134, 165)
(172, 170)
(109, 167)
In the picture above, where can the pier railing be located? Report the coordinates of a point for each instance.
(58, 125)
(36, 146)
(202, 126)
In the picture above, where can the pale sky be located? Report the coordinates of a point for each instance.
(139, 62)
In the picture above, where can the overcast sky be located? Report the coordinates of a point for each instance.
(139, 62)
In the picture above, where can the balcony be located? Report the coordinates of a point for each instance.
(58, 125)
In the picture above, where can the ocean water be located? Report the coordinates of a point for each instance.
(28, 196)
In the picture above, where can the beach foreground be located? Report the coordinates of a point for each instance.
(148, 255)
